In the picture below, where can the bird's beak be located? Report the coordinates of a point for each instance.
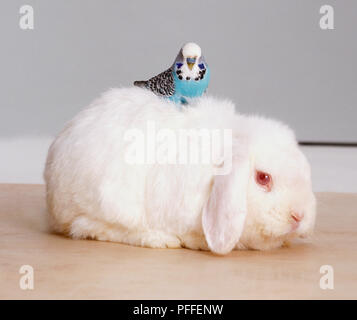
(190, 62)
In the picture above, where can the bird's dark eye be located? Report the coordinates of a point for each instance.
(264, 180)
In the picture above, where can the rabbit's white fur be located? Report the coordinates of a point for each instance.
(92, 192)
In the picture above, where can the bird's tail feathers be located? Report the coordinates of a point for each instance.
(141, 84)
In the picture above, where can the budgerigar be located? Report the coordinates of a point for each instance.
(188, 77)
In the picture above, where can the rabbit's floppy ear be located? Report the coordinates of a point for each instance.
(225, 211)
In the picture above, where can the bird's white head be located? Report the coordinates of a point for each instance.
(191, 53)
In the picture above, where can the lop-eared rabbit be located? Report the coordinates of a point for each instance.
(263, 201)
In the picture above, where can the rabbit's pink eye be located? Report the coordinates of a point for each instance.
(264, 179)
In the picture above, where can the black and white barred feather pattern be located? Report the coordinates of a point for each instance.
(162, 84)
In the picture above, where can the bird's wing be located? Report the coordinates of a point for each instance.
(162, 84)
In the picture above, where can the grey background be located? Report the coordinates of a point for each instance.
(269, 57)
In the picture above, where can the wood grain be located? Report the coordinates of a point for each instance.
(84, 269)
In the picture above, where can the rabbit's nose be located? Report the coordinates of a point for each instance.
(297, 216)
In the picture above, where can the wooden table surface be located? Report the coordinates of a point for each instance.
(80, 269)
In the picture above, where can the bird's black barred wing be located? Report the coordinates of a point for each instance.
(162, 84)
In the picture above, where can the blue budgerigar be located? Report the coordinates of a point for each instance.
(188, 77)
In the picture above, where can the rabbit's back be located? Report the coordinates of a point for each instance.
(88, 175)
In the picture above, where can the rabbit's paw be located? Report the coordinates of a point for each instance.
(195, 242)
(157, 239)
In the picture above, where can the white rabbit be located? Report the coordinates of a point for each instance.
(94, 192)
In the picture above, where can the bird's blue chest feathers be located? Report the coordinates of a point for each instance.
(191, 88)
